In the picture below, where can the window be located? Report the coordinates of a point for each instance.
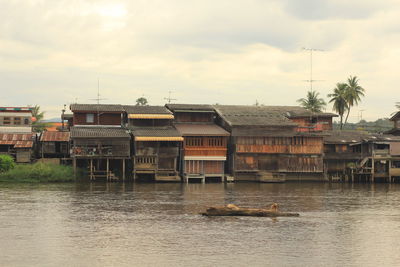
(17, 121)
(90, 118)
(6, 120)
(26, 121)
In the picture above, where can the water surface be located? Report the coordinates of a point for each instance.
(160, 225)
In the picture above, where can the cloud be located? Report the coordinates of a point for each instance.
(228, 52)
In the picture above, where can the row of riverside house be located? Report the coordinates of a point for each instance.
(179, 142)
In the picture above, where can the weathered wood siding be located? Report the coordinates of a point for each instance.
(205, 146)
(204, 167)
(105, 119)
(324, 123)
(278, 145)
(193, 117)
(262, 130)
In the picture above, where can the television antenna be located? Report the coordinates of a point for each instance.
(98, 99)
(169, 99)
(311, 80)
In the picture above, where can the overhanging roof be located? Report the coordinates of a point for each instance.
(55, 136)
(201, 130)
(99, 132)
(151, 116)
(113, 108)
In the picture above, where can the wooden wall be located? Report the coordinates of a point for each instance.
(204, 167)
(193, 117)
(205, 146)
(105, 119)
(277, 145)
(325, 122)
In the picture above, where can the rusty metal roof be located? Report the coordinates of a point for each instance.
(352, 137)
(18, 140)
(98, 132)
(23, 144)
(55, 136)
(201, 130)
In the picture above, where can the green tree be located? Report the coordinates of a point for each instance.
(141, 101)
(354, 92)
(6, 163)
(38, 125)
(312, 102)
(338, 98)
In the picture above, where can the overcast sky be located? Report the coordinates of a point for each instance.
(205, 51)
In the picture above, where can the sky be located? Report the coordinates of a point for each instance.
(54, 52)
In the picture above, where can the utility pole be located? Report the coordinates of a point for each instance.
(311, 50)
(169, 99)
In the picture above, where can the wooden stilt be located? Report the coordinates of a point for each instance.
(91, 170)
(123, 170)
(108, 168)
(74, 163)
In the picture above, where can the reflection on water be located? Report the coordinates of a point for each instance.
(158, 224)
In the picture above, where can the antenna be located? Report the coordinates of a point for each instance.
(169, 99)
(98, 99)
(311, 66)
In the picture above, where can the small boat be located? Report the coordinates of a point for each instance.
(233, 210)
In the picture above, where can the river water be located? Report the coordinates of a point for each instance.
(160, 225)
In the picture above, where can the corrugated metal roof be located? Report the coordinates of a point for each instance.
(201, 130)
(155, 131)
(190, 107)
(97, 107)
(54, 136)
(18, 140)
(352, 137)
(98, 132)
(23, 144)
(146, 109)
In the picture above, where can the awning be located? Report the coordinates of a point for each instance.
(210, 158)
(150, 116)
(158, 138)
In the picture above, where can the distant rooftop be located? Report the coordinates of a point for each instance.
(97, 107)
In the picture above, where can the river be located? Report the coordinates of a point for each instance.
(159, 225)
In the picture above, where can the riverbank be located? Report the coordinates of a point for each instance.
(38, 173)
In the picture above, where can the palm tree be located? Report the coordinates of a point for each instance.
(354, 92)
(312, 102)
(37, 124)
(338, 97)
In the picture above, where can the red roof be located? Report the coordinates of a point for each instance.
(49, 136)
(18, 140)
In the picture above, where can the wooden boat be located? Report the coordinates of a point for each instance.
(233, 210)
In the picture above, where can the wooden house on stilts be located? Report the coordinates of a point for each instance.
(205, 143)
(266, 144)
(156, 143)
(99, 142)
